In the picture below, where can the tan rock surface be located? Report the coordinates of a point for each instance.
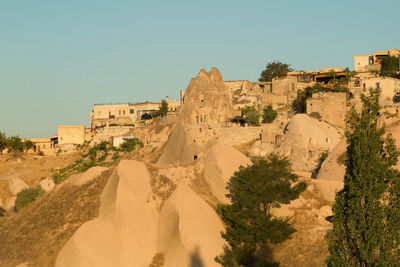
(47, 184)
(207, 102)
(16, 185)
(220, 163)
(305, 139)
(124, 234)
(189, 230)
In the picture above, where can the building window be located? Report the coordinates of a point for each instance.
(119, 112)
(377, 85)
(131, 111)
(123, 112)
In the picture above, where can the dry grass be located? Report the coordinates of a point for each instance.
(202, 188)
(158, 260)
(38, 232)
(309, 245)
(29, 168)
(161, 186)
(245, 147)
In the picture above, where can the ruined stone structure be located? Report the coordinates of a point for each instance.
(280, 92)
(330, 107)
(207, 103)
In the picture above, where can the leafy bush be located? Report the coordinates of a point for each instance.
(269, 115)
(130, 145)
(321, 160)
(251, 115)
(27, 196)
(390, 67)
(28, 144)
(3, 141)
(302, 95)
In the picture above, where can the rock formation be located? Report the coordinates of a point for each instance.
(189, 230)
(125, 233)
(305, 139)
(207, 102)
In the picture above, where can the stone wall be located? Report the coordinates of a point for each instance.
(330, 107)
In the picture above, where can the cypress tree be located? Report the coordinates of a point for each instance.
(366, 219)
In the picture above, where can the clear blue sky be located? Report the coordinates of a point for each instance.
(57, 58)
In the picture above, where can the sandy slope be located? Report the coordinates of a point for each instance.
(125, 232)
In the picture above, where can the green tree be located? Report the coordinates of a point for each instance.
(390, 67)
(163, 110)
(269, 114)
(3, 142)
(15, 143)
(251, 115)
(274, 69)
(250, 226)
(28, 144)
(366, 219)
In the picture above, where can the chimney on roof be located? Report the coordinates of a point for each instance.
(166, 98)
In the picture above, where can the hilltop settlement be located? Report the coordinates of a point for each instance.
(143, 185)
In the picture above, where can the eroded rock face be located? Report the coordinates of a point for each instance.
(130, 231)
(125, 233)
(305, 139)
(207, 102)
(220, 163)
(333, 169)
(189, 230)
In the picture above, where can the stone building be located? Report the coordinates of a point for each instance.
(46, 146)
(330, 107)
(71, 135)
(390, 87)
(126, 114)
(371, 62)
(308, 78)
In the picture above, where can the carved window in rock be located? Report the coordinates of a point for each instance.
(197, 119)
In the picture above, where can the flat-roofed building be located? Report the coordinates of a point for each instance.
(365, 63)
(71, 134)
(126, 114)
